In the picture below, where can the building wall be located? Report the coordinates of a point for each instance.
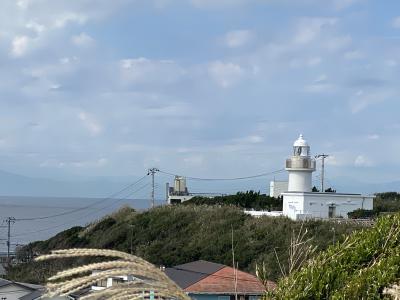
(178, 199)
(276, 188)
(292, 205)
(316, 205)
(300, 181)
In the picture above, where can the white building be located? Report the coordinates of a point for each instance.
(276, 188)
(179, 192)
(300, 203)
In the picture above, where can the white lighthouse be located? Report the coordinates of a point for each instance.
(300, 167)
(300, 203)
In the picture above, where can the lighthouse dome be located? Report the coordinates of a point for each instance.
(301, 147)
(300, 142)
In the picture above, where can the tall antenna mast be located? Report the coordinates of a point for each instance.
(151, 172)
(323, 156)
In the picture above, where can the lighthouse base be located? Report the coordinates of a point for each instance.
(304, 205)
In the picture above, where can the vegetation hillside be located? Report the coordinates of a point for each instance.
(358, 268)
(178, 234)
(248, 199)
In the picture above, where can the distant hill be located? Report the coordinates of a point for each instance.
(350, 185)
(19, 185)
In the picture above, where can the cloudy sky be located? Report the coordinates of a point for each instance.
(214, 88)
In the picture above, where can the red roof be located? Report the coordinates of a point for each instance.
(223, 282)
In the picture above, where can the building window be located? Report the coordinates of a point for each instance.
(102, 283)
(176, 201)
(224, 298)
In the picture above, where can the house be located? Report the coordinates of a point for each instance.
(204, 280)
(11, 290)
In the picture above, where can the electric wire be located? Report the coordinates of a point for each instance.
(75, 220)
(85, 207)
(225, 179)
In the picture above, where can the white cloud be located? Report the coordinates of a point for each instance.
(310, 28)
(82, 40)
(335, 43)
(396, 22)
(314, 61)
(391, 63)
(217, 3)
(19, 45)
(36, 27)
(373, 137)
(251, 139)
(145, 71)
(354, 55)
(194, 160)
(342, 4)
(319, 85)
(362, 161)
(71, 17)
(90, 123)
(238, 38)
(361, 100)
(225, 74)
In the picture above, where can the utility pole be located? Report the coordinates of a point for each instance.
(323, 156)
(9, 221)
(151, 172)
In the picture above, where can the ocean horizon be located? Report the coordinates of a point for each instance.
(72, 211)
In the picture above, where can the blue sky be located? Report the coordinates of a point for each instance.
(214, 88)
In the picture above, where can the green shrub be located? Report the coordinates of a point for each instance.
(358, 268)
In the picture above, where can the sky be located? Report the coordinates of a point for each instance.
(212, 88)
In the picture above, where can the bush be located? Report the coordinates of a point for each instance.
(361, 214)
(173, 235)
(358, 268)
(248, 199)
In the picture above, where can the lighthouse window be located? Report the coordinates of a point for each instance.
(304, 151)
(297, 151)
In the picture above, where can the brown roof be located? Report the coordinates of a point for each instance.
(187, 274)
(223, 282)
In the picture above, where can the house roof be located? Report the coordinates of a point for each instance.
(190, 273)
(32, 296)
(35, 291)
(223, 282)
(202, 277)
(4, 282)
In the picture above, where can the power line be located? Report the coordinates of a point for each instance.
(85, 207)
(226, 179)
(66, 223)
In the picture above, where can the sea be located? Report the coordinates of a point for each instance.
(39, 218)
